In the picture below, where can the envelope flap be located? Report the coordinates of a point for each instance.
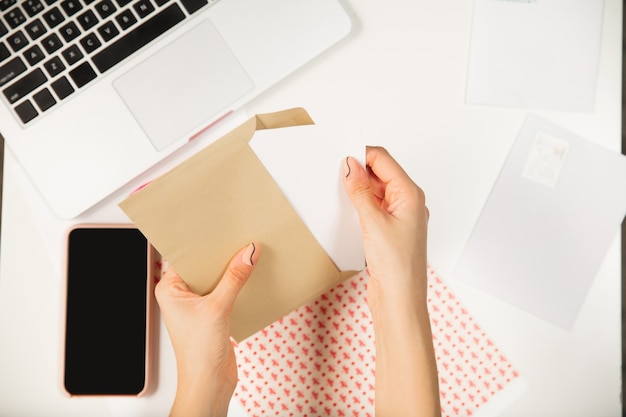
(199, 214)
(292, 117)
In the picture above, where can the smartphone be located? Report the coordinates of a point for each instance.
(108, 301)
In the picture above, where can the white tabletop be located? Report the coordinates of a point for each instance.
(401, 74)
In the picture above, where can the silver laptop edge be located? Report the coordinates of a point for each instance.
(98, 139)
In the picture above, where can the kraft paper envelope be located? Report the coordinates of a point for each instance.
(205, 209)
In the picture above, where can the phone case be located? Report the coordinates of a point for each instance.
(153, 263)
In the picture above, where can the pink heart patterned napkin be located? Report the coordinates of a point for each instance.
(319, 360)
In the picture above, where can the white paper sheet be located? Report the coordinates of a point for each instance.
(540, 54)
(305, 161)
(545, 229)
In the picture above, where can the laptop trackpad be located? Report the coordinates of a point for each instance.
(183, 85)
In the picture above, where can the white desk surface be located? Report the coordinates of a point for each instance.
(402, 75)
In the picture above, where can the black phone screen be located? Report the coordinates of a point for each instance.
(106, 312)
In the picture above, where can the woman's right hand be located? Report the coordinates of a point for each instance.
(394, 220)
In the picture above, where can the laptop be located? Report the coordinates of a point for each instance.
(94, 92)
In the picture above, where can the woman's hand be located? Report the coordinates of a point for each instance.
(394, 221)
(199, 328)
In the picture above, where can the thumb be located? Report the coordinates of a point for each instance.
(171, 286)
(359, 189)
(237, 273)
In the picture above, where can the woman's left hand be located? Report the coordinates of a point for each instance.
(199, 328)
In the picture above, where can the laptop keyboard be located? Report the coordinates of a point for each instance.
(50, 49)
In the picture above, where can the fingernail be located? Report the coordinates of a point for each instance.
(247, 255)
(346, 168)
(233, 342)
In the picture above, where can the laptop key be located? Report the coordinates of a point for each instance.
(72, 55)
(25, 85)
(54, 66)
(5, 4)
(17, 41)
(108, 31)
(26, 111)
(4, 52)
(87, 20)
(71, 7)
(138, 38)
(126, 19)
(70, 31)
(62, 88)
(33, 55)
(193, 6)
(105, 8)
(51, 43)
(35, 29)
(44, 99)
(90, 43)
(11, 70)
(15, 18)
(32, 7)
(82, 74)
(143, 8)
(53, 17)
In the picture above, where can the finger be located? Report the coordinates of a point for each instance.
(399, 189)
(384, 167)
(237, 274)
(359, 189)
(378, 187)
